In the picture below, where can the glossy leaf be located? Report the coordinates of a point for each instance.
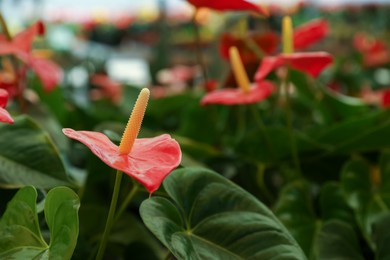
(61, 214)
(19, 227)
(296, 212)
(209, 217)
(381, 235)
(338, 240)
(368, 201)
(333, 205)
(28, 157)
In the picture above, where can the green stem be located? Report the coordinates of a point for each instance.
(127, 200)
(261, 182)
(110, 218)
(198, 51)
(293, 145)
(262, 129)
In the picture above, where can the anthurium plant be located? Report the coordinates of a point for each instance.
(274, 146)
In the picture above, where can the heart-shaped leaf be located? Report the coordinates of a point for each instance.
(20, 235)
(338, 240)
(296, 212)
(29, 157)
(209, 217)
(368, 199)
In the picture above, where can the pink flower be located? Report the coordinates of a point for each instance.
(48, 72)
(4, 115)
(148, 160)
(258, 92)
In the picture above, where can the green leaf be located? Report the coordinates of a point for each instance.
(20, 236)
(338, 240)
(381, 235)
(19, 225)
(368, 201)
(29, 157)
(296, 212)
(209, 217)
(61, 209)
(333, 204)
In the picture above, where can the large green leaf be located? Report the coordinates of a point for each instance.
(29, 157)
(296, 212)
(338, 240)
(209, 217)
(381, 235)
(368, 200)
(20, 236)
(333, 205)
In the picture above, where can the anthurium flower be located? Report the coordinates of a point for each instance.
(148, 160)
(310, 62)
(4, 115)
(20, 46)
(246, 93)
(107, 88)
(229, 5)
(267, 42)
(310, 33)
(374, 51)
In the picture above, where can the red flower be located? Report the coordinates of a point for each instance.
(310, 33)
(148, 160)
(20, 46)
(374, 51)
(267, 42)
(4, 115)
(310, 62)
(258, 92)
(229, 5)
(108, 87)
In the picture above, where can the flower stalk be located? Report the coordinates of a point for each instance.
(129, 135)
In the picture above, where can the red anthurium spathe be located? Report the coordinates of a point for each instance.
(20, 45)
(258, 91)
(374, 51)
(229, 5)
(310, 33)
(246, 93)
(310, 62)
(267, 42)
(4, 115)
(108, 87)
(148, 160)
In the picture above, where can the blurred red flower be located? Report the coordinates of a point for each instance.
(229, 96)
(229, 5)
(374, 51)
(310, 62)
(4, 115)
(20, 46)
(108, 87)
(310, 33)
(267, 42)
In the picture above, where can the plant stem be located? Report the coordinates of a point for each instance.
(293, 145)
(127, 200)
(262, 129)
(198, 51)
(110, 217)
(261, 182)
